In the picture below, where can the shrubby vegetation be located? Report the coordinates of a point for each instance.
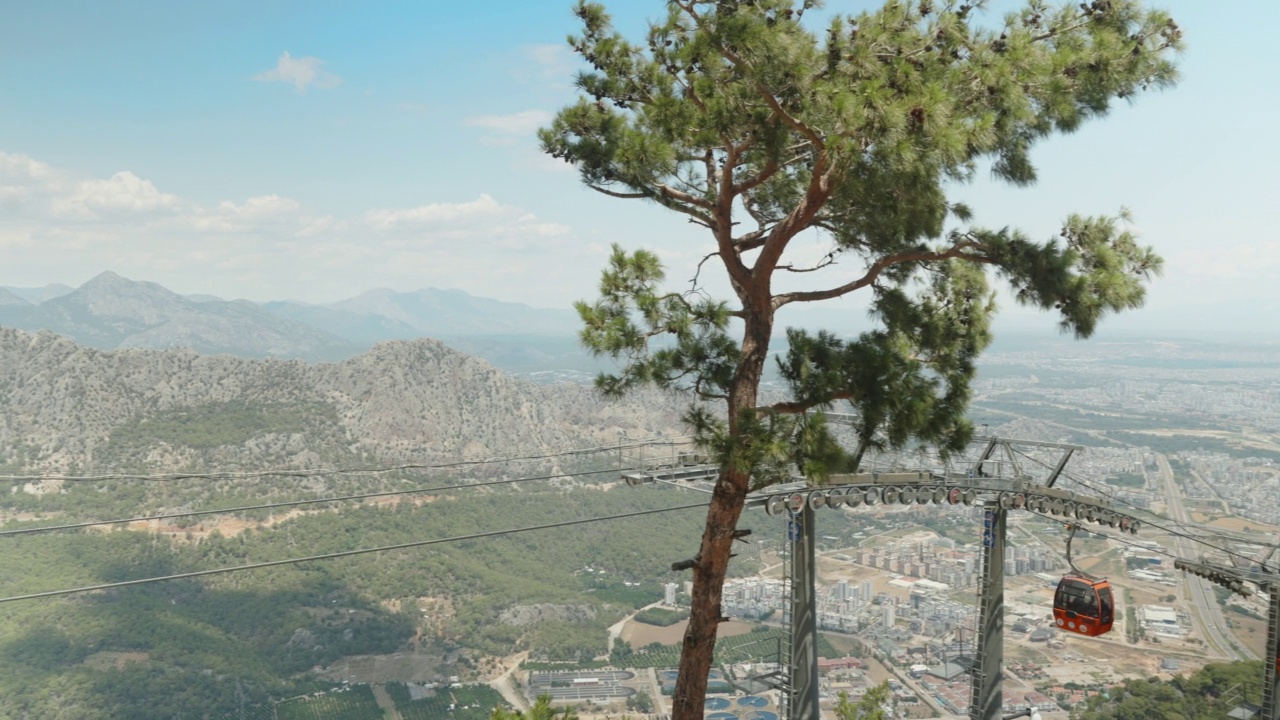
(662, 617)
(221, 423)
(1208, 694)
(541, 710)
(869, 707)
(761, 643)
(169, 649)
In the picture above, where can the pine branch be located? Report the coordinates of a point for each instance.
(668, 197)
(827, 261)
(751, 240)
(624, 196)
(684, 197)
(959, 250)
(795, 407)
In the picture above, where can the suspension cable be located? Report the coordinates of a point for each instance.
(341, 554)
(290, 503)
(322, 472)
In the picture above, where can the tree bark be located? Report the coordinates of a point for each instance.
(727, 500)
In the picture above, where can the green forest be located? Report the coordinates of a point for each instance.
(206, 646)
(1209, 694)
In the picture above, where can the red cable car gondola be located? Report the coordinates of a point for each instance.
(1083, 604)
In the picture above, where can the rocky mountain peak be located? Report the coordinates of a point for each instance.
(415, 400)
(108, 294)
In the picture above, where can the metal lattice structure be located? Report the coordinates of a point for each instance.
(993, 478)
(1240, 581)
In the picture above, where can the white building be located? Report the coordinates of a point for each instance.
(669, 597)
(1161, 620)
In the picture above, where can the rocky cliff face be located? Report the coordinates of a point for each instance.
(65, 406)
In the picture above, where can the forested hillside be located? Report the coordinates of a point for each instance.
(179, 648)
(202, 647)
(1209, 694)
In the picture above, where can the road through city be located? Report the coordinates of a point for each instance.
(1199, 591)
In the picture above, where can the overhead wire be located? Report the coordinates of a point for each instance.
(340, 554)
(323, 472)
(454, 486)
(1068, 525)
(292, 503)
(1147, 513)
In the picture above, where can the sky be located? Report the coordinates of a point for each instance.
(313, 150)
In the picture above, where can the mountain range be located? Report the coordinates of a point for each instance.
(111, 312)
(63, 406)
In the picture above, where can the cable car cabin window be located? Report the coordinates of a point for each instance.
(1077, 597)
(1108, 605)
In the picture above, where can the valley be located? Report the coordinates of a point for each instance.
(437, 444)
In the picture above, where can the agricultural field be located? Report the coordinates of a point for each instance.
(661, 617)
(358, 702)
(467, 702)
(753, 643)
(641, 634)
(355, 702)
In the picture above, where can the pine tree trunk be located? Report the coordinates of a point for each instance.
(727, 500)
(708, 582)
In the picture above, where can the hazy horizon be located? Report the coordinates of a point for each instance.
(1020, 325)
(313, 153)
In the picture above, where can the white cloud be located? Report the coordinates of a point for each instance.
(263, 206)
(552, 55)
(525, 122)
(123, 192)
(26, 184)
(21, 168)
(257, 214)
(554, 65)
(68, 226)
(302, 73)
(535, 159)
(434, 213)
(320, 226)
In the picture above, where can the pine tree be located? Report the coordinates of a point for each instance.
(541, 710)
(738, 116)
(869, 707)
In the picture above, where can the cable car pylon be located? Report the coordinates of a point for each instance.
(1236, 580)
(994, 483)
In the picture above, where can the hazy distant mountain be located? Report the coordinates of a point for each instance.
(362, 329)
(453, 312)
(413, 401)
(9, 299)
(111, 312)
(37, 295)
(14, 310)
